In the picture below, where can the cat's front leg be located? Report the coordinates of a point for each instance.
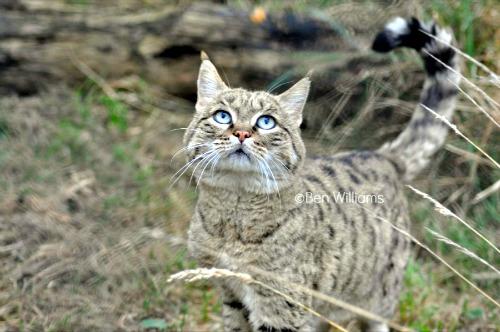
(234, 313)
(274, 313)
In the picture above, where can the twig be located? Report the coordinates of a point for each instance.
(91, 74)
(486, 192)
(485, 276)
(468, 155)
(82, 184)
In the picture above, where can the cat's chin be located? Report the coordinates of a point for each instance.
(242, 182)
(237, 161)
(242, 172)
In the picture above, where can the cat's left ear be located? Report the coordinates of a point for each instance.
(294, 99)
(209, 82)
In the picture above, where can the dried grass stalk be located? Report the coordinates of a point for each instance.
(481, 91)
(446, 212)
(464, 250)
(204, 273)
(458, 132)
(486, 192)
(198, 274)
(491, 118)
(494, 77)
(415, 240)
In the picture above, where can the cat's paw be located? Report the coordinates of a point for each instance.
(413, 34)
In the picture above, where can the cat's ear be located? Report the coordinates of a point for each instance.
(293, 100)
(209, 82)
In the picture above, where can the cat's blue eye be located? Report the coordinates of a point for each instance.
(266, 122)
(222, 117)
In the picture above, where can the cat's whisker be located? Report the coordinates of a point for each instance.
(186, 148)
(189, 163)
(274, 87)
(210, 160)
(274, 178)
(202, 162)
(184, 168)
(272, 175)
(268, 186)
(260, 170)
(284, 171)
(275, 159)
(196, 130)
(266, 165)
(186, 165)
(214, 164)
(186, 128)
(264, 177)
(283, 164)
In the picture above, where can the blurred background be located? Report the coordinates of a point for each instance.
(94, 96)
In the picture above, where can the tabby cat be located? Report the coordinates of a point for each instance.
(254, 180)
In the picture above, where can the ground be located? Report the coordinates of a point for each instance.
(91, 226)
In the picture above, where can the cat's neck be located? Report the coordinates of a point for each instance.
(237, 215)
(234, 198)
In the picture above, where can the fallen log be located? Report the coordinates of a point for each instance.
(36, 46)
(41, 41)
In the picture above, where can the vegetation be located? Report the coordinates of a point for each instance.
(90, 229)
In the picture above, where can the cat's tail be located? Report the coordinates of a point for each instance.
(425, 134)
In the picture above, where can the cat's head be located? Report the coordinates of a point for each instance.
(243, 139)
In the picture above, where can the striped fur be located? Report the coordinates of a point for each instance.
(425, 134)
(249, 214)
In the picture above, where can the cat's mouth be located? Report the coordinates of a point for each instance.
(239, 153)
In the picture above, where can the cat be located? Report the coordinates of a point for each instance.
(254, 181)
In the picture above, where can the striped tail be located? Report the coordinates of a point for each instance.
(425, 134)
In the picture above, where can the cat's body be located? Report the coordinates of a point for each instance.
(314, 222)
(335, 248)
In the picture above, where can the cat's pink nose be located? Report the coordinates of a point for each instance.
(242, 135)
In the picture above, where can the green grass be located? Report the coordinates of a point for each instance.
(92, 135)
(117, 113)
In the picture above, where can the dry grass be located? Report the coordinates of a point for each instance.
(446, 212)
(465, 251)
(203, 273)
(89, 233)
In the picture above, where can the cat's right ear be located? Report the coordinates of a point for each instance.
(209, 82)
(294, 99)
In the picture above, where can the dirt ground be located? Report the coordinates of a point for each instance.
(91, 226)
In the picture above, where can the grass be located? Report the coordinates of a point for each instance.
(98, 257)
